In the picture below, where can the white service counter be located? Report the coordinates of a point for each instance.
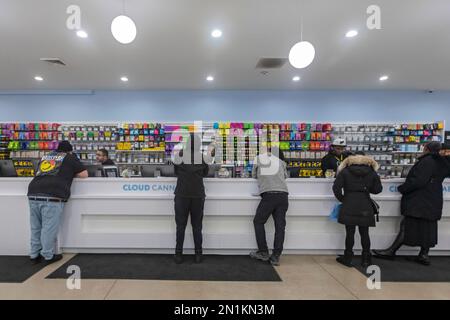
(137, 215)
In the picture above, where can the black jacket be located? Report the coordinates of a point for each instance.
(422, 189)
(190, 179)
(357, 177)
(331, 161)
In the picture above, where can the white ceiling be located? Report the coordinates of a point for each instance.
(173, 48)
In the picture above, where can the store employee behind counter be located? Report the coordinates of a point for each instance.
(335, 156)
(102, 157)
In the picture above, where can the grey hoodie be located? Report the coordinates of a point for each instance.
(271, 173)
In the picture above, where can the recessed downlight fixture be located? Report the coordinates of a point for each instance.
(216, 33)
(384, 78)
(124, 79)
(82, 34)
(351, 33)
(38, 78)
(296, 79)
(209, 78)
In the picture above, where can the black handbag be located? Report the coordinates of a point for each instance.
(376, 209)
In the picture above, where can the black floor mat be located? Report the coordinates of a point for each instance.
(162, 267)
(17, 269)
(405, 269)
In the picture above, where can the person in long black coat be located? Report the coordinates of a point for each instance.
(357, 178)
(421, 204)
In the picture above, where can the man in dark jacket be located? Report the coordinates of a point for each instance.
(357, 177)
(190, 196)
(421, 205)
(47, 194)
(335, 156)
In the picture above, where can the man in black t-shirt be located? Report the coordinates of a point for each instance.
(47, 193)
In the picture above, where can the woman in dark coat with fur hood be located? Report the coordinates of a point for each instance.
(355, 181)
(422, 202)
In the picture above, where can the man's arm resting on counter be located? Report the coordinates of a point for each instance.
(83, 174)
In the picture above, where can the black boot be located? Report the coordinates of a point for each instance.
(366, 259)
(346, 259)
(390, 252)
(178, 257)
(423, 257)
(198, 256)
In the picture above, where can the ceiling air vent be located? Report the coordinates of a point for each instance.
(55, 61)
(270, 63)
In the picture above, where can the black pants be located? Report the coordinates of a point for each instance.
(350, 239)
(184, 207)
(275, 204)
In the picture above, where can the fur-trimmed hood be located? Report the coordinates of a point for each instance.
(359, 160)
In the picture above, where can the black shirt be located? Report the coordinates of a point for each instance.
(108, 162)
(55, 174)
(190, 180)
(332, 161)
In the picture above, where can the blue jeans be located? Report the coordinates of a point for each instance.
(44, 220)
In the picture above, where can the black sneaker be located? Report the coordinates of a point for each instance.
(178, 258)
(56, 257)
(36, 260)
(345, 260)
(274, 260)
(260, 255)
(198, 258)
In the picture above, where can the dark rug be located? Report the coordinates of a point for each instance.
(162, 267)
(405, 269)
(17, 269)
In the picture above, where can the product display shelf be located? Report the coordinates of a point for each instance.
(304, 145)
(29, 140)
(88, 138)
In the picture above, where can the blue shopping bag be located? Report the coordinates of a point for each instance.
(335, 212)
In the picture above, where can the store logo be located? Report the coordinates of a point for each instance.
(393, 188)
(138, 187)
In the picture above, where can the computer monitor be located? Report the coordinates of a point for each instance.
(110, 172)
(7, 168)
(94, 170)
(148, 170)
(167, 170)
(213, 168)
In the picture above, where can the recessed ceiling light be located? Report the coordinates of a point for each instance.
(38, 78)
(124, 79)
(296, 78)
(384, 78)
(351, 34)
(82, 34)
(216, 33)
(210, 78)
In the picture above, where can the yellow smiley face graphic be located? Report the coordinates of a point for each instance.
(47, 166)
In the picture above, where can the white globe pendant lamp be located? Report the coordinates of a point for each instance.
(301, 54)
(123, 29)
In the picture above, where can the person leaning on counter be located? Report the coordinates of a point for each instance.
(190, 195)
(47, 193)
(102, 157)
(335, 156)
(270, 170)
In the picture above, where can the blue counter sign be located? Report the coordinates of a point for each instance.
(145, 187)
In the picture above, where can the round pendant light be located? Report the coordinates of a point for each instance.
(123, 29)
(301, 54)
